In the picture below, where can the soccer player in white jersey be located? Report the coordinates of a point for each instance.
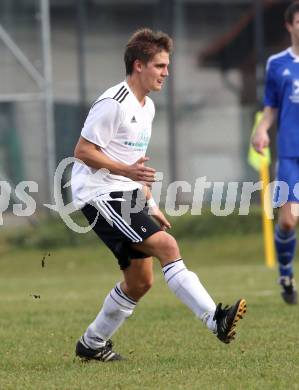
(111, 184)
(282, 102)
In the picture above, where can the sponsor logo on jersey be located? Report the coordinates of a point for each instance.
(295, 91)
(296, 87)
(142, 141)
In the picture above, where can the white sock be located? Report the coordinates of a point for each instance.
(116, 308)
(187, 287)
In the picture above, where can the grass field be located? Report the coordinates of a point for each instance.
(166, 347)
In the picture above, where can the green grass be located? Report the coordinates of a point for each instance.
(166, 347)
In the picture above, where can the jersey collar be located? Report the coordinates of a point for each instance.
(292, 54)
(134, 97)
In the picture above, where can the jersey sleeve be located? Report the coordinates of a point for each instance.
(102, 122)
(271, 95)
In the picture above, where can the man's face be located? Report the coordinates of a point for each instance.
(153, 74)
(293, 28)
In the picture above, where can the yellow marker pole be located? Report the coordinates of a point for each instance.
(261, 164)
(267, 221)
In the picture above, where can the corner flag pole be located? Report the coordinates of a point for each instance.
(261, 164)
(267, 222)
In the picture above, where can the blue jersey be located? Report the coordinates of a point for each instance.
(282, 92)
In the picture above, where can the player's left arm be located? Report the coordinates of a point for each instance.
(154, 210)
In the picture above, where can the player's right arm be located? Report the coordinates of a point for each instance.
(101, 126)
(92, 156)
(261, 139)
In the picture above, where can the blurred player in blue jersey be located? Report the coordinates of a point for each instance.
(281, 102)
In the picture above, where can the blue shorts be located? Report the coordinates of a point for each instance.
(287, 181)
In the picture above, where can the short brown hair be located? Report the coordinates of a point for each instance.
(290, 12)
(143, 45)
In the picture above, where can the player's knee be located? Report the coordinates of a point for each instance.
(168, 246)
(287, 225)
(144, 285)
(140, 286)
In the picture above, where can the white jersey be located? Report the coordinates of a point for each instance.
(121, 127)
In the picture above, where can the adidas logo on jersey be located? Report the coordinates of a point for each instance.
(286, 72)
(133, 120)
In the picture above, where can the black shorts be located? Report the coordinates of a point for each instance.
(121, 223)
